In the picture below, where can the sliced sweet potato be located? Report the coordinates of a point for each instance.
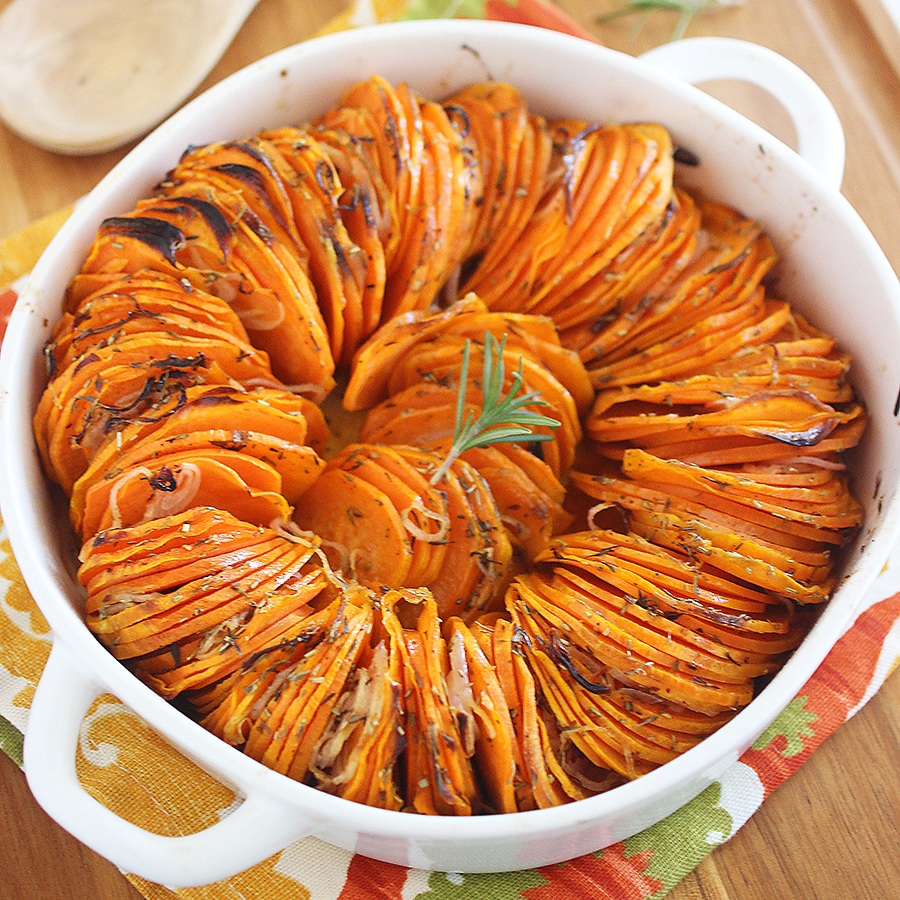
(366, 210)
(297, 464)
(248, 488)
(667, 581)
(139, 301)
(625, 190)
(475, 569)
(277, 613)
(493, 121)
(479, 705)
(359, 520)
(219, 245)
(115, 556)
(531, 517)
(439, 777)
(425, 415)
(421, 507)
(192, 609)
(137, 377)
(615, 298)
(615, 649)
(338, 267)
(356, 756)
(289, 684)
(734, 255)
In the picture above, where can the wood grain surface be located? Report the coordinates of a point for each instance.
(832, 831)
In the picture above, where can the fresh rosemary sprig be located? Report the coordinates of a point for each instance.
(686, 9)
(502, 420)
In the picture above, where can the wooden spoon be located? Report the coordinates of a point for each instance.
(84, 77)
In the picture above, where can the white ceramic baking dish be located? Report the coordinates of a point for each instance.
(831, 269)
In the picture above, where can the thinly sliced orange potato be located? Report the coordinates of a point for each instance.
(533, 337)
(475, 568)
(734, 257)
(598, 165)
(631, 660)
(439, 776)
(423, 162)
(136, 377)
(275, 301)
(228, 708)
(729, 451)
(496, 127)
(836, 510)
(616, 296)
(422, 509)
(440, 361)
(194, 608)
(297, 464)
(668, 581)
(479, 705)
(248, 488)
(139, 301)
(626, 191)
(278, 615)
(359, 755)
(534, 785)
(114, 557)
(757, 563)
(533, 165)
(339, 268)
(803, 544)
(360, 523)
(286, 686)
(531, 517)
(791, 417)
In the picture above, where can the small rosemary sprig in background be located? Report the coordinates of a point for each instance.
(686, 9)
(502, 420)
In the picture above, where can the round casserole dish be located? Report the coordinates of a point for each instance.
(830, 268)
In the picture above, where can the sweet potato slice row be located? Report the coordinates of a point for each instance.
(636, 664)
(360, 523)
(297, 464)
(137, 377)
(358, 756)
(440, 778)
(282, 689)
(248, 488)
(477, 700)
(421, 508)
(186, 625)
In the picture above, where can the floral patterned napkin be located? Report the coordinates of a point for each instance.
(136, 774)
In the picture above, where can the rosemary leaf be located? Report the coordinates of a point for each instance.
(686, 9)
(502, 420)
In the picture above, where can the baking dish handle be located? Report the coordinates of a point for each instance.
(820, 137)
(257, 828)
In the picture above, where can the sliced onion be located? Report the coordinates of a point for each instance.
(168, 503)
(118, 484)
(418, 506)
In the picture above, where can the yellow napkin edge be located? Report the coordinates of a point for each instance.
(21, 250)
(381, 10)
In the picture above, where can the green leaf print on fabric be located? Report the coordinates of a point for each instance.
(11, 740)
(678, 843)
(502, 886)
(445, 9)
(793, 724)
